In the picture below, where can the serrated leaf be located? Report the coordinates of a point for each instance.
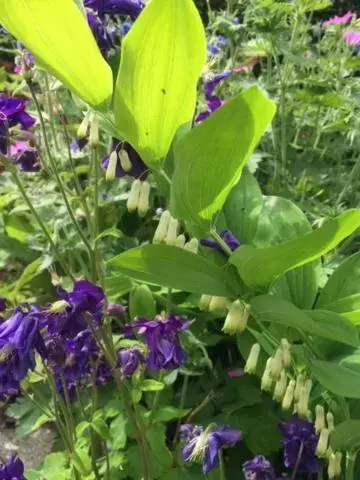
(150, 385)
(155, 93)
(258, 267)
(210, 158)
(57, 33)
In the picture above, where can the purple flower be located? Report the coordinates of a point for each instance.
(259, 468)
(299, 434)
(125, 28)
(104, 38)
(336, 20)
(352, 38)
(13, 109)
(129, 360)
(28, 160)
(13, 469)
(213, 101)
(135, 169)
(204, 445)
(116, 310)
(79, 144)
(162, 339)
(2, 304)
(231, 241)
(116, 7)
(19, 337)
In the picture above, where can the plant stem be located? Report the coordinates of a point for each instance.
(298, 460)
(221, 242)
(350, 465)
(27, 200)
(51, 111)
(351, 178)
(221, 466)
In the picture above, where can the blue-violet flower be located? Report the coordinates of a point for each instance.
(259, 468)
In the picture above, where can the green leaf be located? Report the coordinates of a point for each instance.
(53, 464)
(210, 158)
(346, 436)
(337, 378)
(118, 432)
(57, 33)
(268, 308)
(99, 425)
(176, 268)
(169, 413)
(258, 267)
(149, 385)
(142, 302)
(162, 59)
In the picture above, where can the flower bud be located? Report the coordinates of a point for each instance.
(133, 199)
(180, 241)
(322, 445)
(218, 304)
(116, 310)
(319, 418)
(94, 132)
(204, 302)
(302, 406)
(338, 459)
(266, 380)
(289, 396)
(58, 306)
(172, 232)
(330, 421)
(237, 318)
(84, 125)
(192, 245)
(332, 467)
(277, 364)
(280, 387)
(162, 228)
(299, 383)
(111, 168)
(252, 361)
(125, 162)
(286, 355)
(143, 205)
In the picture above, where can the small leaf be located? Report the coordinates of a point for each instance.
(155, 93)
(176, 268)
(54, 463)
(210, 158)
(346, 436)
(149, 385)
(258, 267)
(118, 432)
(57, 33)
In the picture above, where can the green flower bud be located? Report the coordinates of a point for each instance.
(332, 467)
(84, 125)
(330, 421)
(280, 387)
(125, 162)
(266, 380)
(171, 235)
(180, 241)
(289, 396)
(319, 418)
(111, 168)
(338, 459)
(286, 355)
(237, 318)
(94, 132)
(277, 364)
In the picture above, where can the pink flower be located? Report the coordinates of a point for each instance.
(247, 67)
(352, 38)
(339, 20)
(19, 146)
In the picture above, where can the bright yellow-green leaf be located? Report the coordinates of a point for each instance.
(209, 160)
(162, 58)
(57, 33)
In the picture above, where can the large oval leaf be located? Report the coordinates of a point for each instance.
(209, 159)
(175, 268)
(155, 93)
(346, 436)
(337, 378)
(57, 33)
(259, 267)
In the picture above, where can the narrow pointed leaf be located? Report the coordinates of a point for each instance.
(259, 267)
(57, 33)
(162, 58)
(209, 160)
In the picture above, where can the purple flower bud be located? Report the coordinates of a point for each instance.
(28, 160)
(116, 310)
(259, 468)
(231, 241)
(129, 360)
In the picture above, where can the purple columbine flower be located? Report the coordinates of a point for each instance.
(299, 434)
(212, 100)
(137, 167)
(2, 304)
(162, 339)
(103, 36)
(116, 310)
(132, 8)
(129, 359)
(352, 38)
(339, 20)
(231, 241)
(28, 160)
(19, 337)
(13, 469)
(259, 468)
(13, 109)
(79, 144)
(204, 445)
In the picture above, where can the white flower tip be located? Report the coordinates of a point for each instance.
(134, 195)
(111, 168)
(125, 162)
(144, 199)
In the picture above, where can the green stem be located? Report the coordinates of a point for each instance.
(221, 466)
(298, 460)
(96, 259)
(350, 465)
(27, 200)
(221, 242)
(349, 184)
(51, 111)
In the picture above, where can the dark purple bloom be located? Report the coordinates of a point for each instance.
(125, 28)
(13, 469)
(104, 38)
(2, 304)
(204, 445)
(79, 144)
(117, 7)
(298, 434)
(213, 101)
(13, 109)
(129, 360)
(162, 339)
(28, 160)
(231, 241)
(137, 168)
(19, 337)
(259, 468)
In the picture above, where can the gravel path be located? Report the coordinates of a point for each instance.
(31, 449)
